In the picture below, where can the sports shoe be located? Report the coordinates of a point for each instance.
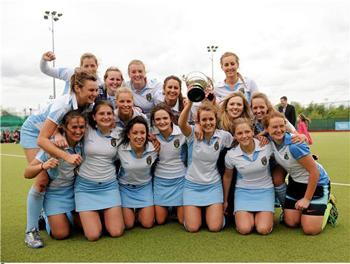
(282, 218)
(33, 238)
(333, 215)
(41, 222)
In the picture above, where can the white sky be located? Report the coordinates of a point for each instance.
(297, 48)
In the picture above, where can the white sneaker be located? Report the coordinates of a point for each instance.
(33, 238)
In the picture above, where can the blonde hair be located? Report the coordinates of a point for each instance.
(229, 54)
(88, 56)
(264, 97)
(112, 68)
(79, 77)
(136, 62)
(123, 89)
(225, 119)
(207, 107)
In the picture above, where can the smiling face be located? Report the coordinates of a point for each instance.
(259, 108)
(90, 65)
(137, 74)
(235, 107)
(162, 121)
(244, 134)
(229, 66)
(277, 129)
(172, 90)
(104, 116)
(75, 129)
(113, 82)
(88, 93)
(207, 122)
(137, 136)
(124, 103)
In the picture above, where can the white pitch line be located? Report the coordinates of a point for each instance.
(9, 155)
(342, 184)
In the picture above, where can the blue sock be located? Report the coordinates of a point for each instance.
(34, 205)
(281, 193)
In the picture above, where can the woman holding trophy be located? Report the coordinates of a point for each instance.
(203, 187)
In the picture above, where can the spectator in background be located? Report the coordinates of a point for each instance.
(288, 110)
(303, 122)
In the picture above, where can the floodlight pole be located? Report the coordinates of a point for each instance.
(212, 49)
(54, 17)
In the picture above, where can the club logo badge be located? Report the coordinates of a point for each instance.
(286, 157)
(177, 143)
(149, 160)
(113, 142)
(216, 146)
(242, 90)
(149, 97)
(264, 161)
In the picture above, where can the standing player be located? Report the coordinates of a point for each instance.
(113, 79)
(40, 127)
(88, 62)
(234, 81)
(203, 187)
(143, 88)
(170, 170)
(59, 196)
(254, 192)
(308, 185)
(96, 188)
(136, 157)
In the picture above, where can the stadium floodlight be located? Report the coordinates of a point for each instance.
(54, 18)
(212, 49)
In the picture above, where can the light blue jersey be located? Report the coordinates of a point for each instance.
(172, 154)
(288, 154)
(203, 155)
(222, 89)
(253, 171)
(145, 98)
(99, 156)
(63, 174)
(63, 74)
(134, 170)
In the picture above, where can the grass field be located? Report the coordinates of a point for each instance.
(171, 243)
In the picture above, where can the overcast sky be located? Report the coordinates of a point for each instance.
(295, 48)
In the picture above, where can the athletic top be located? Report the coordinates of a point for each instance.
(135, 171)
(55, 111)
(99, 156)
(202, 156)
(63, 174)
(253, 172)
(145, 98)
(120, 124)
(64, 74)
(172, 155)
(222, 89)
(288, 154)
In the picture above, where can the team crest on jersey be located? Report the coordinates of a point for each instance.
(286, 157)
(113, 142)
(149, 97)
(242, 90)
(216, 146)
(177, 143)
(264, 161)
(149, 160)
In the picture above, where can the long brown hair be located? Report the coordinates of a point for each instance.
(79, 77)
(181, 99)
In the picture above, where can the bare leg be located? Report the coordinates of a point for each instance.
(114, 221)
(192, 218)
(92, 225)
(244, 222)
(214, 215)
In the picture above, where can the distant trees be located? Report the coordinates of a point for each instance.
(319, 111)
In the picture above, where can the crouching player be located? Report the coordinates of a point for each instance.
(309, 185)
(59, 196)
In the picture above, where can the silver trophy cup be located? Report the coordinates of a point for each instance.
(197, 85)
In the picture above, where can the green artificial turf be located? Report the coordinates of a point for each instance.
(171, 243)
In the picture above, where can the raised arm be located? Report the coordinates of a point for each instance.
(182, 122)
(46, 68)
